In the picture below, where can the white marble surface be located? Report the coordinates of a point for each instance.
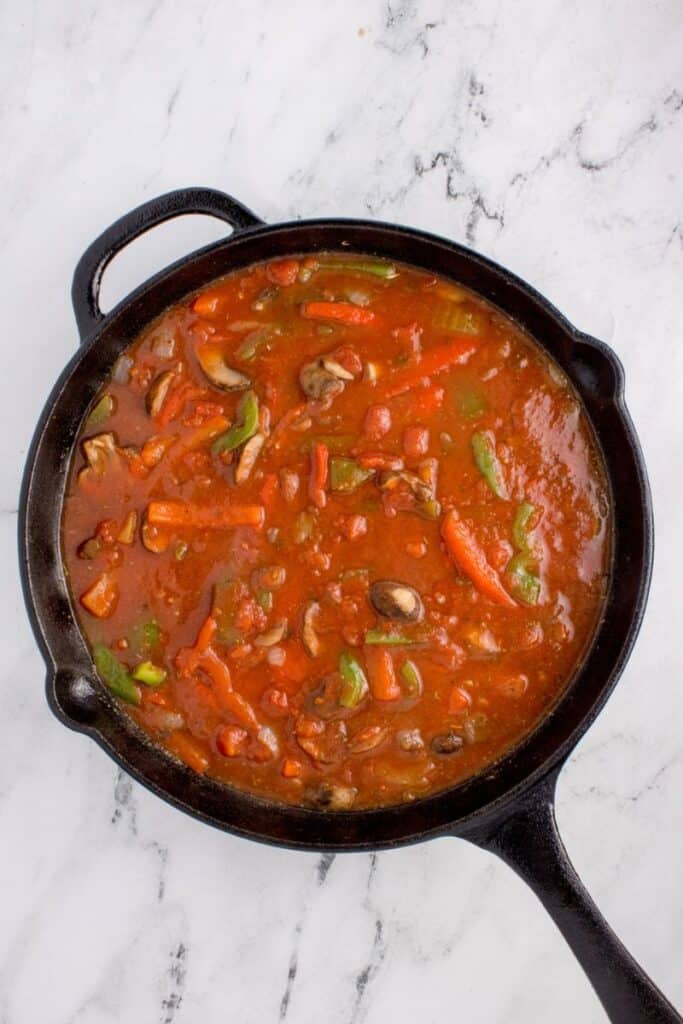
(547, 134)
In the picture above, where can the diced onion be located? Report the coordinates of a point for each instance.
(122, 368)
(276, 656)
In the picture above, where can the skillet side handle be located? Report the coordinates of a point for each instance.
(529, 842)
(85, 290)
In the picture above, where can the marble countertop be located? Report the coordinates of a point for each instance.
(546, 135)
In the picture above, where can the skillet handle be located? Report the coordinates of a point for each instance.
(529, 842)
(85, 290)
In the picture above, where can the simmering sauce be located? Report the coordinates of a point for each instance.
(336, 531)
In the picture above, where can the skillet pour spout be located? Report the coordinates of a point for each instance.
(508, 809)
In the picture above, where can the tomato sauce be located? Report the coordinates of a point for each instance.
(337, 532)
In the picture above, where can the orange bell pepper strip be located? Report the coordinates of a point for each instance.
(320, 463)
(340, 312)
(381, 673)
(206, 634)
(466, 553)
(181, 514)
(433, 362)
(101, 599)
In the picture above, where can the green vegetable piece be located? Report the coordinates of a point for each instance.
(228, 635)
(144, 638)
(346, 475)
(471, 403)
(378, 636)
(304, 525)
(149, 673)
(115, 676)
(90, 548)
(378, 268)
(430, 509)
(487, 462)
(354, 681)
(521, 534)
(524, 585)
(412, 680)
(455, 316)
(101, 411)
(264, 599)
(253, 342)
(239, 432)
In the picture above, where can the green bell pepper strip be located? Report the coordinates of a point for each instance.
(471, 404)
(239, 432)
(346, 475)
(524, 585)
(412, 680)
(430, 509)
(253, 343)
(378, 268)
(487, 463)
(115, 676)
(454, 316)
(354, 681)
(521, 534)
(143, 638)
(264, 600)
(149, 673)
(101, 411)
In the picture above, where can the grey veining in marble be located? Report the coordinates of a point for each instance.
(546, 135)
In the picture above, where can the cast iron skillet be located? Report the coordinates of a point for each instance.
(507, 809)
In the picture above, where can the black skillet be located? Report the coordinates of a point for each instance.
(507, 809)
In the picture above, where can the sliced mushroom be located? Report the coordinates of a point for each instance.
(218, 372)
(271, 636)
(336, 369)
(425, 505)
(99, 451)
(323, 699)
(248, 457)
(319, 381)
(157, 392)
(309, 636)
(393, 479)
(396, 601)
(367, 739)
(449, 742)
(330, 796)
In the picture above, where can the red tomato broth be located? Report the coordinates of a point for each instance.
(488, 672)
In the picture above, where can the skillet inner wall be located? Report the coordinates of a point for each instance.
(595, 377)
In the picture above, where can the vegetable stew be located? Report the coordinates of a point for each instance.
(337, 531)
